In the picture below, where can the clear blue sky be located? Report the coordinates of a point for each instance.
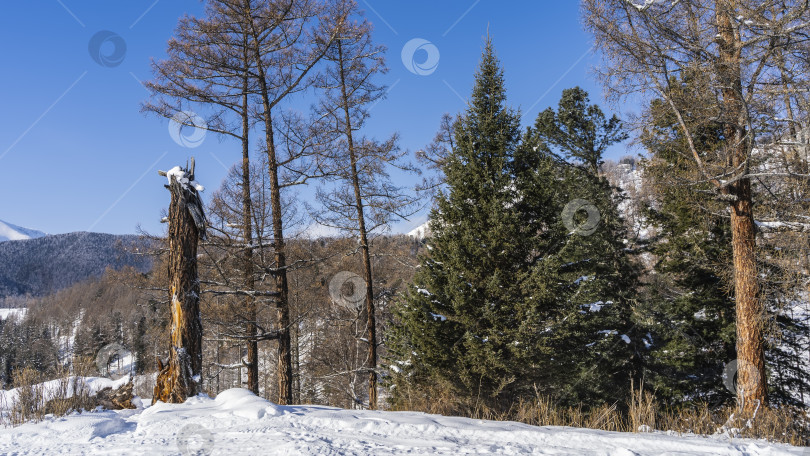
(76, 154)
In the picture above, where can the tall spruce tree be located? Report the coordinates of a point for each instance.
(461, 328)
(589, 279)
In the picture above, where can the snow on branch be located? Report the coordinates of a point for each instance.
(782, 226)
(647, 3)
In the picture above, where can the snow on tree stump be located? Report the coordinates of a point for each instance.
(180, 377)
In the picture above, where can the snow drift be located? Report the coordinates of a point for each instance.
(237, 422)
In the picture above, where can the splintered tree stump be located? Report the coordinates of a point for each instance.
(180, 377)
(118, 399)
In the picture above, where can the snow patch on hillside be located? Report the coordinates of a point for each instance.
(17, 313)
(237, 422)
(420, 232)
(9, 232)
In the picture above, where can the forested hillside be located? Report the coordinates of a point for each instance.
(48, 264)
(126, 307)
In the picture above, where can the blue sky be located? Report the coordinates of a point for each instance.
(77, 155)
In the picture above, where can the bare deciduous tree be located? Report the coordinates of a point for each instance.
(363, 198)
(287, 40)
(745, 59)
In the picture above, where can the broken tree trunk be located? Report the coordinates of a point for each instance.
(180, 377)
(118, 399)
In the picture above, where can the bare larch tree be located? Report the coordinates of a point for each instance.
(287, 40)
(745, 58)
(362, 198)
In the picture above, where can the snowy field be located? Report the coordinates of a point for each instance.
(237, 422)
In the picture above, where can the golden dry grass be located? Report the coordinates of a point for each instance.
(641, 414)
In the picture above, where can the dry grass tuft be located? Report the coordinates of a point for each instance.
(643, 414)
(37, 400)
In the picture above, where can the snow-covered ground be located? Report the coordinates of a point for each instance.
(53, 387)
(237, 422)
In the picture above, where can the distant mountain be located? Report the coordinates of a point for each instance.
(47, 264)
(420, 232)
(9, 232)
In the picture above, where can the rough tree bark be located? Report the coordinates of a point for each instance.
(247, 226)
(209, 65)
(180, 378)
(751, 390)
(361, 226)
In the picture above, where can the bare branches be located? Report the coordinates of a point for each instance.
(716, 66)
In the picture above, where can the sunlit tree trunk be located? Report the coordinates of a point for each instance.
(751, 389)
(180, 378)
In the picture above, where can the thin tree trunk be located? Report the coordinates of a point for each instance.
(371, 323)
(297, 357)
(180, 378)
(247, 235)
(219, 360)
(284, 362)
(284, 368)
(751, 380)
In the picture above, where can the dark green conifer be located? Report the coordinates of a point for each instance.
(462, 326)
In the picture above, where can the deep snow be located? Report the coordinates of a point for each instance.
(237, 422)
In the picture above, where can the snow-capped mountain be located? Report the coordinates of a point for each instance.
(9, 232)
(420, 232)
